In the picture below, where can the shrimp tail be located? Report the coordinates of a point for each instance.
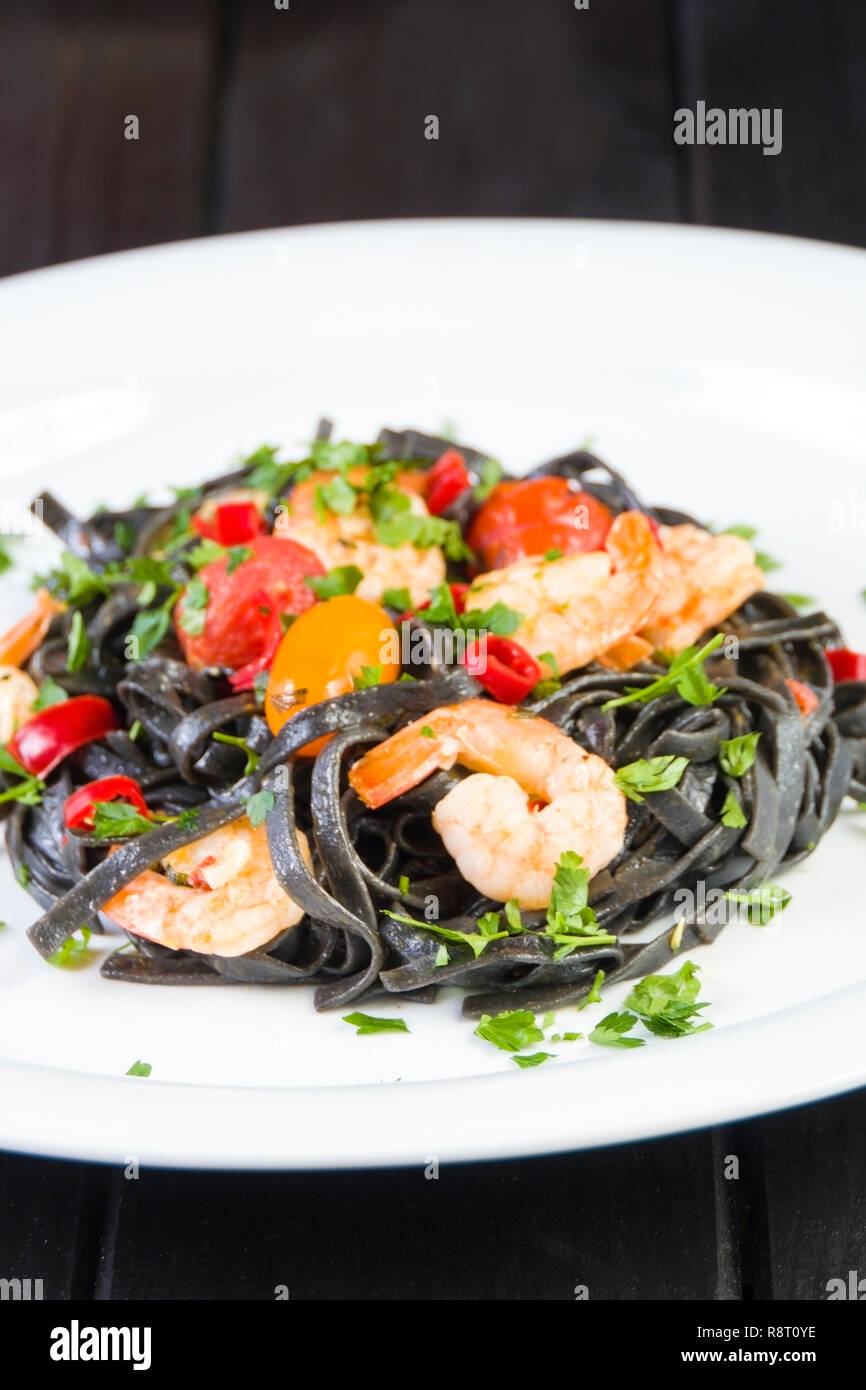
(403, 761)
(22, 640)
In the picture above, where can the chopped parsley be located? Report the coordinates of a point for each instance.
(403, 884)
(499, 619)
(124, 536)
(476, 941)
(241, 743)
(799, 600)
(736, 755)
(766, 562)
(259, 806)
(594, 995)
(344, 579)
(666, 1004)
(22, 873)
(762, 903)
(489, 473)
(204, 553)
(237, 555)
(77, 643)
(511, 1031)
(552, 555)
(118, 820)
(50, 693)
(73, 952)
(370, 675)
(399, 599)
(426, 732)
(140, 1069)
(194, 605)
(533, 1059)
(732, 814)
(367, 1023)
(571, 922)
(148, 630)
(611, 1030)
(28, 791)
(685, 675)
(549, 684)
(650, 775)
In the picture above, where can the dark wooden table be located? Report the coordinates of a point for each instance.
(252, 116)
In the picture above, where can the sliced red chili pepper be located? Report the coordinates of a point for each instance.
(244, 677)
(78, 809)
(232, 523)
(846, 665)
(237, 522)
(806, 699)
(503, 667)
(47, 738)
(447, 479)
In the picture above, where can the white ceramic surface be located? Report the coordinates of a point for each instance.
(722, 372)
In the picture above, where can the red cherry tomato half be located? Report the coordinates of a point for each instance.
(78, 809)
(503, 667)
(447, 479)
(846, 665)
(533, 517)
(46, 739)
(242, 616)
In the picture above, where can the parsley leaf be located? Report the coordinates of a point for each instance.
(766, 562)
(238, 555)
(50, 693)
(148, 630)
(685, 675)
(400, 599)
(241, 743)
(799, 600)
(73, 951)
(549, 684)
(194, 602)
(571, 922)
(117, 820)
(370, 675)
(343, 579)
(650, 775)
(476, 941)
(259, 806)
(533, 1059)
(27, 792)
(736, 755)
(204, 553)
(77, 643)
(746, 533)
(732, 814)
(367, 1023)
(609, 1033)
(140, 1069)
(666, 1003)
(511, 1031)
(762, 903)
(337, 495)
(594, 995)
(489, 473)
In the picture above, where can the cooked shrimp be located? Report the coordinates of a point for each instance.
(218, 895)
(21, 641)
(706, 578)
(581, 605)
(351, 540)
(504, 843)
(17, 693)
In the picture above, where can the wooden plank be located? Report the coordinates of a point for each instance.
(806, 59)
(543, 110)
(50, 1216)
(640, 1221)
(810, 1217)
(70, 72)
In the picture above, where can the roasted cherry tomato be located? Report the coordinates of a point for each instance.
(78, 809)
(447, 479)
(503, 667)
(242, 614)
(47, 738)
(533, 517)
(321, 653)
(846, 665)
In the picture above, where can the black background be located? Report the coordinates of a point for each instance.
(254, 117)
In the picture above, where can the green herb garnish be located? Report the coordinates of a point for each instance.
(650, 775)
(241, 743)
(610, 1032)
(736, 755)
(370, 676)
(732, 814)
(50, 693)
(77, 643)
(511, 1031)
(367, 1023)
(685, 675)
(140, 1069)
(666, 1004)
(118, 820)
(762, 903)
(344, 579)
(73, 951)
(259, 806)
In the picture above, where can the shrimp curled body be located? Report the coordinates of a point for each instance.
(218, 895)
(579, 606)
(502, 844)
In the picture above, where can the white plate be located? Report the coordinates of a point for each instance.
(721, 371)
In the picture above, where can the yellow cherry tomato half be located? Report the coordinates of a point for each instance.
(321, 653)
